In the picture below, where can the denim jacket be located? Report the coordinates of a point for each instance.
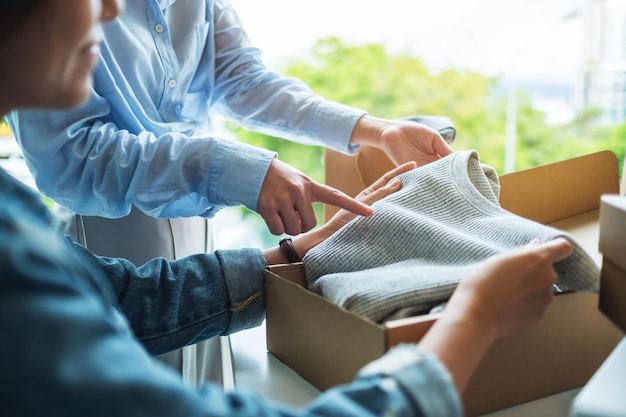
(79, 330)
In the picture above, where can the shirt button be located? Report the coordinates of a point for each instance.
(158, 27)
(171, 83)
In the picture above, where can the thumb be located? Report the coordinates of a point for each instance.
(556, 249)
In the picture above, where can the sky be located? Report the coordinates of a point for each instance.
(536, 40)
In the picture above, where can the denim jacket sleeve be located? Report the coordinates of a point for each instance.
(67, 352)
(96, 167)
(67, 349)
(170, 304)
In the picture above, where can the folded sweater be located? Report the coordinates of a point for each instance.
(425, 238)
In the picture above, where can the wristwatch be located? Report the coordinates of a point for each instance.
(286, 246)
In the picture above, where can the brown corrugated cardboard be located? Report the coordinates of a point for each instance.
(327, 345)
(613, 293)
(613, 249)
(612, 242)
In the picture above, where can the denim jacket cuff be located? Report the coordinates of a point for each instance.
(245, 280)
(423, 378)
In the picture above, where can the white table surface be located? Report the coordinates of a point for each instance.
(603, 395)
(257, 370)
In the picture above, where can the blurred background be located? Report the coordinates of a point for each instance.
(525, 83)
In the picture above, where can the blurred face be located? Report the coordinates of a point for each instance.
(49, 57)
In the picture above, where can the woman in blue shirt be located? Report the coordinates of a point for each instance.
(144, 138)
(77, 329)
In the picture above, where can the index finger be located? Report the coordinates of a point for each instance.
(328, 195)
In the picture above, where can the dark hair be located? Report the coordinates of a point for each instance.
(12, 13)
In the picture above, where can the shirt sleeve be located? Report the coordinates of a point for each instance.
(100, 169)
(263, 100)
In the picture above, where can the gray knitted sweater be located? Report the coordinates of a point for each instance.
(422, 240)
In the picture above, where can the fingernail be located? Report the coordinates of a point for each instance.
(395, 183)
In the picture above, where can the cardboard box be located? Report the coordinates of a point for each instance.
(613, 249)
(327, 345)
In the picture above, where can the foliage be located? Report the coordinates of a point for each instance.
(395, 86)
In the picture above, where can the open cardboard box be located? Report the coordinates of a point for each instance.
(327, 345)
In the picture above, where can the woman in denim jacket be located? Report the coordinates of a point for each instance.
(79, 330)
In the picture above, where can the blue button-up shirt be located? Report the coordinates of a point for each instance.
(76, 331)
(145, 136)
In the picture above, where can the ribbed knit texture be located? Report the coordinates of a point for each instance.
(422, 240)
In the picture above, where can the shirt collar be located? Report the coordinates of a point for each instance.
(164, 4)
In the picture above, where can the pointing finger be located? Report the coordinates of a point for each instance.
(328, 195)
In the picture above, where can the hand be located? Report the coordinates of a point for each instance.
(286, 197)
(502, 295)
(513, 290)
(401, 140)
(410, 141)
(378, 190)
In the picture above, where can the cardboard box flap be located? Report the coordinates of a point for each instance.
(410, 329)
(562, 189)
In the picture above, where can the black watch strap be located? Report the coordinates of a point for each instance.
(286, 246)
